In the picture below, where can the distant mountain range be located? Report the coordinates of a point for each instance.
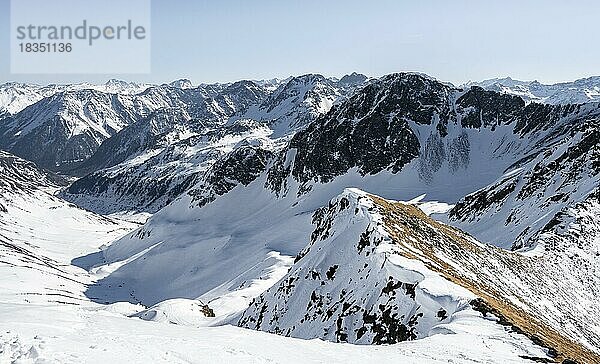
(576, 92)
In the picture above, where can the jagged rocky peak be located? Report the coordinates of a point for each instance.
(242, 94)
(402, 118)
(483, 108)
(241, 166)
(15, 96)
(371, 130)
(271, 85)
(312, 89)
(414, 96)
(183, 83)
(479, 107)
(353, 79)
(113, 82)
(294, 103)
(119, 87)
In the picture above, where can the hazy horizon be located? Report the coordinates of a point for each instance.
(195, 83)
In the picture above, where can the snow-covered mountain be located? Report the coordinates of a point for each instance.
(21, 176)
(402, 136)
(576, 92)
(151, 162)
(65, 128)
(62, 131)
(183, 83)
(295, 103)
(15, 96)
(428, 138)
(255, 225)
(156, 176)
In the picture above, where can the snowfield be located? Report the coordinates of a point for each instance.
(64, 334)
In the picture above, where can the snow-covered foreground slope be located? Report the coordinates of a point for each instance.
(48, 248)
(45, 318)
(382, 272)
(65, 334)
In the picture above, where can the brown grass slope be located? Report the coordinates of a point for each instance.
(513, 287)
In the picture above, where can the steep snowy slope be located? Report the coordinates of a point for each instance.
(40, 234)
(576, 92)
(559, 170)
(382, 272)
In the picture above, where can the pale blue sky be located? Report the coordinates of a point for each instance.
(456, 41)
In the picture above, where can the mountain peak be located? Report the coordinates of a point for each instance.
(183, 84)
(353, 78)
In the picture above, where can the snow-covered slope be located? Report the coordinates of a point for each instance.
(60, 334)
(40, 234)
(297, 102)
(152, 161)
(560, 167)
(243, 242)
(382, 272)
(576, 92)
(46, 247)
